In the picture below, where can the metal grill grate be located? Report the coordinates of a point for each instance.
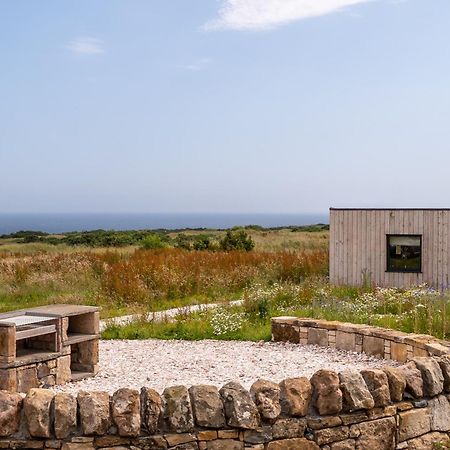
(26, 319)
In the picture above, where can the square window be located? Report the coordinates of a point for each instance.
(404, 253)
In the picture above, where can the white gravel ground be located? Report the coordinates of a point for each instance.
(158, 364)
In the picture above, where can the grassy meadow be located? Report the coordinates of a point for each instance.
(125, 277)
(284, 273)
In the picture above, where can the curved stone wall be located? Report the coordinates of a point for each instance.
(374, 341)
(404, 407)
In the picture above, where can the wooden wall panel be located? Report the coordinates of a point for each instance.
(358, 245)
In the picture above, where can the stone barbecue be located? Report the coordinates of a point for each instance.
(48, 345)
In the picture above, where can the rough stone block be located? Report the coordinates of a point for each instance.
(177, 409)
(266, 395)
(208, 435)
(293, 444)
(355, 391)
(420, 352)
(317, 422)
(126, 412)
(8, 380)
(397, 383)
(327, 395)
(375, 434)
(94, 412)
(37, 409)
(345, 341)
(348, 444)
(413, 377)
(177, 439)
(428, 441)
(259, 436)
(433, 379)
(65, 413)
(240, 410)
(10, 408)
(225, 444)
(88, 352)
(444, 363)
(373, 346)
(289, 428)
(439, 413)
(63, 372)
(317, 336)
(76, 446)
(295, 396)
(413, 423)
(207, 406)
(329, 435)
(378, 385)
(151, 407)
(285, 333)
(399, 352)
(26, 378)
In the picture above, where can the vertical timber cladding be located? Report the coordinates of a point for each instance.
(358, 246)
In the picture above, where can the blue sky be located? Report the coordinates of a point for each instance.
(223, 106)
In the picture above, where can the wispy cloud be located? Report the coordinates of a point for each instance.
(85, 45)
(200, 64)
(266, 14)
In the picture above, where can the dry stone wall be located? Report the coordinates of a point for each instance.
(374, 341)
(404, 407)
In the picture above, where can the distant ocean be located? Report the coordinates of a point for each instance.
(58, 223)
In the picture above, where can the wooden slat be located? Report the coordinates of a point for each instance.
(332, 247)
(358, 245)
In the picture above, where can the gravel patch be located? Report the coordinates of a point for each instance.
(158, 363)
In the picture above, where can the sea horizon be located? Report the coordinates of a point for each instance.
(66, 222)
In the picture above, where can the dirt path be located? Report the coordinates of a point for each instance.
(165, 315)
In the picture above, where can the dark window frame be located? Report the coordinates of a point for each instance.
(419, 270)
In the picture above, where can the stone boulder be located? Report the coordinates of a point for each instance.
(151, 407)
(10, 407)
(433, 379)
(355, 391)
(378, 385)
(177, 409)
(428, 441)
(266, 396)
(240, 410)
(439, 413)
(414, 382)
(126, 412)
(207, 406)
(37, 407)
(287, 428)
(295, 396)
(65, 413)
(397, 383)
(375, 434)
(444, 363)
(327, 395)
(94, 412)
(413, 423)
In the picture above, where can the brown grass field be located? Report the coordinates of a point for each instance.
(130, 279)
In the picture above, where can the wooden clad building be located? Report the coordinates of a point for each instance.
(390, 247)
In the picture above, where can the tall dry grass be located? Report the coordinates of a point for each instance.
(173, 273)
(115, 279)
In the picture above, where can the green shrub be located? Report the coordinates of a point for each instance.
(236, 240)
(153, 242)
